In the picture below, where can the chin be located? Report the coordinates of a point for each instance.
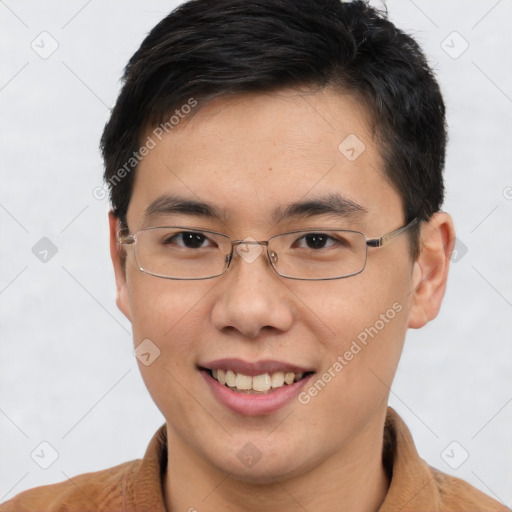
(262, 474)
(251, 466)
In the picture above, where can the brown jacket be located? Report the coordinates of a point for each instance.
(136, 486)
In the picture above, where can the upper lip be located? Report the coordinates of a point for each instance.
(252, 369)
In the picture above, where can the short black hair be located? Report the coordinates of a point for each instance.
(207, 49)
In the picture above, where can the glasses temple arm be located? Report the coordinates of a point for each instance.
(379, 242)
(124, 237)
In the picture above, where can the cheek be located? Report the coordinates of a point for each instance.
(367, 323)
(166, 309)
(172, 316)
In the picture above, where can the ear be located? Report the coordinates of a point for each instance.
(116, 253)
(430, 270)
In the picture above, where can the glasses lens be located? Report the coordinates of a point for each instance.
(181, 253)
(331, 254)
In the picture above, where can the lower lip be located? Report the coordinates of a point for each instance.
(254, 404)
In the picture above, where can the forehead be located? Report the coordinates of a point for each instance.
(253, 154)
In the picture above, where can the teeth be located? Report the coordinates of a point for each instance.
(277, 379)
(260, 383)
(243, 382)
(231, 378)
(289, 377)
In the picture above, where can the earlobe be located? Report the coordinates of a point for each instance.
(122, 298)
(430, 270)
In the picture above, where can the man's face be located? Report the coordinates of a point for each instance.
(250, 156)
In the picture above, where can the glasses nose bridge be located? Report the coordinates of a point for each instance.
(249, 256)
(236, 243)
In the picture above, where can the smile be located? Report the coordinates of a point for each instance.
(262, 383)
(254, 388)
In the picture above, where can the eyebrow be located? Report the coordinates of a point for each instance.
(332, 204)
(171, 204)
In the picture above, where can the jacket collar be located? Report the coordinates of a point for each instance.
(412, 483)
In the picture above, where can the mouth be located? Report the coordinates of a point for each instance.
(262, 383)
(254, 388)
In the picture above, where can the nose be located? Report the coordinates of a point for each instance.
(252, 297)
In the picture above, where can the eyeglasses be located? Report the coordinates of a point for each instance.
(180, 252)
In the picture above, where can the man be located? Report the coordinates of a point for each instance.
(275, 170)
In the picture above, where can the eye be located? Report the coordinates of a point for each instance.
(188, 240)
(315, 241)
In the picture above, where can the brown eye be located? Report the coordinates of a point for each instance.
(315, 241)
(188, 240)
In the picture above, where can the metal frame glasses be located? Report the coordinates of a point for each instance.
(185, 253)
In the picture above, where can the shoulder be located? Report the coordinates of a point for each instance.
(416, 486)
(101, 490)
(456, 495)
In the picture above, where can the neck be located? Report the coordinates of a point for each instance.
(353, 479)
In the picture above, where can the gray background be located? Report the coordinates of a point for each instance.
(67, 372)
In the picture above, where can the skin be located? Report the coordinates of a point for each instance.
(247, 155)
